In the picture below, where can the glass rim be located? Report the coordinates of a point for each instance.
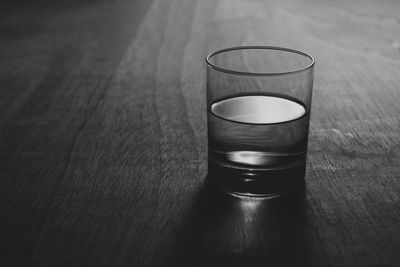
(290, 50)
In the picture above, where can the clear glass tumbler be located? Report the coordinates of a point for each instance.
(258, 105)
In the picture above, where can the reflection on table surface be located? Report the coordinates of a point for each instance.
(227, 229)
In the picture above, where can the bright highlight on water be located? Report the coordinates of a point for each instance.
(258, 109)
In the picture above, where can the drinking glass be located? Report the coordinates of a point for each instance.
(258, 113)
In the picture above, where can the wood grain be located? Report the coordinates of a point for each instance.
(103, 153)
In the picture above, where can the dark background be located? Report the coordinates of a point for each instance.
(103, 152)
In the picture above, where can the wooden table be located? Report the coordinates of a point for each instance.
(103, 151)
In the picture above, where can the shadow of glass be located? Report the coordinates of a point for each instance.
(226, 230)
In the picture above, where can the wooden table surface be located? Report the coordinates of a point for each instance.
(103, 142)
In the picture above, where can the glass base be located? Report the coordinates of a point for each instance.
(256, 183)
